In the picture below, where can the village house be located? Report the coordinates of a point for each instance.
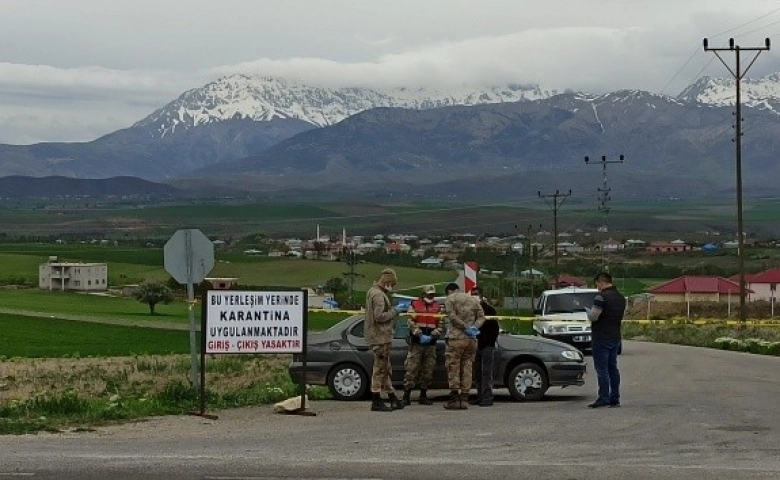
(56, 275)
(675, 246)
(761, 286)
(569, 247)
(563, 281)
(609, 245)
(635, 243)
(695, 289)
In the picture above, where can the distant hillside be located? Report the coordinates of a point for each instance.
(47, 187)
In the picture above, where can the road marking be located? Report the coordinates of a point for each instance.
(430, 461)
(287, 478)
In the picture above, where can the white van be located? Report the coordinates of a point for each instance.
(560, 315)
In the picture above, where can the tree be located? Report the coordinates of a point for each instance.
(152, 294)
(338, 287)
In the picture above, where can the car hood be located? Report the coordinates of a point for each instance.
(563, 317)
(530, 343)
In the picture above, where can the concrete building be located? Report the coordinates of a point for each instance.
(72, 276)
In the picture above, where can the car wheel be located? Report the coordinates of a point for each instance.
(348, 382)
(527, 382)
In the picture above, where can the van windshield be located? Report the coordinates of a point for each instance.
(569, 302)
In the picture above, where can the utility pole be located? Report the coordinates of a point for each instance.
(515, 296)
(555, 201)
(351, 274)
(605, 198)
(738, 73)
(531, 262)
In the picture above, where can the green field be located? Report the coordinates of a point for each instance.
(119, 219)
(88, 306)
(35, 337)
(135, 265)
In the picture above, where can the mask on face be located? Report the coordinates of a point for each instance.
(428, 299)
(389, 288)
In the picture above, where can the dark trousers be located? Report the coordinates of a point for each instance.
(483, 368)
(605, 362)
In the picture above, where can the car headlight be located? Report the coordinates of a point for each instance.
(556, 328)
(571, 354)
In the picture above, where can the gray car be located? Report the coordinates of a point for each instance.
(526, 365)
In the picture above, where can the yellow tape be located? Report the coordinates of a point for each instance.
(765, 323)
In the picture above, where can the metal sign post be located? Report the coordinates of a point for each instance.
(189, 257)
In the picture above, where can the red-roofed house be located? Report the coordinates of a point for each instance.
(762, 285)
(695, 289)
(564, 281)
(671, 247)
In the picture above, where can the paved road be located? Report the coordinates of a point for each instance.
(688, 413)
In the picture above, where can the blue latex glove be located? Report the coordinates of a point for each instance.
(425, 339)
(472, 331)
(403, 304)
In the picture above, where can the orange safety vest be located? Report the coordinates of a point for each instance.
(426, 321)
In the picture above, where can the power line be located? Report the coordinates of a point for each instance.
(605, 197)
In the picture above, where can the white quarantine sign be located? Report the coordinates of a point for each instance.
(254, 322)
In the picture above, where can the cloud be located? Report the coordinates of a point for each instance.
(594, 59)
(45, 103)
(31, 78)
(47, 94)
(379, 42)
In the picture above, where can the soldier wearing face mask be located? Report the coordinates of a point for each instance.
(425, 328)
(380, 316)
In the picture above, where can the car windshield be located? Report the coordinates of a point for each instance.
(569, 302)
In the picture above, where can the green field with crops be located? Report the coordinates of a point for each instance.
(136, 265)
(50, 337)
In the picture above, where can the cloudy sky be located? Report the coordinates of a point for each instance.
(72, 70)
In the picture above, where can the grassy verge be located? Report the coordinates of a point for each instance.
(57, 374)
(753, 339)
(52, 395)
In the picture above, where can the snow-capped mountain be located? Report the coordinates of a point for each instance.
(761, 92)
(265, 98)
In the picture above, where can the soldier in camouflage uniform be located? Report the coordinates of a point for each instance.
(466, 316)
(425, 328)
(380, 321)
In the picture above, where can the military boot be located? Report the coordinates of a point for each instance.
(377, 405)
(453, 403)
(424, 400)
(464, 401)
(407, 397)
(395, 404)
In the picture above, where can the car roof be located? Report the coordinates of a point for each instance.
(562, 291)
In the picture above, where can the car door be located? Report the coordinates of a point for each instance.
(357, 340)
(399, 349)
(440, 372)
